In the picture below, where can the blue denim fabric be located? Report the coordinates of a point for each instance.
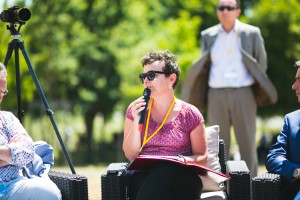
(42, 162)
(3, 190)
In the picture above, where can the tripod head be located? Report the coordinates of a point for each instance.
(15, 15)
(14, 29)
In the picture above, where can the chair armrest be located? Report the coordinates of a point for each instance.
(239, 184)
(222, 157)
(115, 182)
(71, 186)
(266, 186)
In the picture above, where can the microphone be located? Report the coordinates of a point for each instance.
(146, 95)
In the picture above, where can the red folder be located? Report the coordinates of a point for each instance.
(144, 162)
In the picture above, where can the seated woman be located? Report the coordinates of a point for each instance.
(172, 127)
(16, 150)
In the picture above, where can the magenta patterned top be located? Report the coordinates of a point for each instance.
(174, 137)
(22, 152)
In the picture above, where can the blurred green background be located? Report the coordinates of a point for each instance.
(86, 55)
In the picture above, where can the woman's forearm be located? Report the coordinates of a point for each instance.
(132, 140)
(199, 159)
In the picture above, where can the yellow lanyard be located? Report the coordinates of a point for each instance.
(229, 51)
(146, 140)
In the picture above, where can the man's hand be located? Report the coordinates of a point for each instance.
(16, 138)
(3, 163)
(5, 153)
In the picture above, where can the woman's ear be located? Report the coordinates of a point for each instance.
(172, 79)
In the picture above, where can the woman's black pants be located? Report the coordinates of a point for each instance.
(165, 181)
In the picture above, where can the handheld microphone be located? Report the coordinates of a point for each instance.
(146, 95)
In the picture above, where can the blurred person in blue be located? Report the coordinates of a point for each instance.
(16, 151)
(284, 155)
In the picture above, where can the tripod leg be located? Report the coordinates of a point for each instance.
(46, 105)
(13, 45)
(18, 84)
(9, 51)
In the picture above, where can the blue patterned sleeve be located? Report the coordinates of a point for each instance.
(22, 152)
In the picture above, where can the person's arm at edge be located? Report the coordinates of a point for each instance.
(20, 143)
(5, 151)
(277, 158)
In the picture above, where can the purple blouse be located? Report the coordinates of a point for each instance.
(174, 137)
(22, 152)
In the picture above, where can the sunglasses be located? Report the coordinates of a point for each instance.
(150, 75)
(229, 8)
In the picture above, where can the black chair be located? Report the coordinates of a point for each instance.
(266, 186)
(72, 186)
(115, 179)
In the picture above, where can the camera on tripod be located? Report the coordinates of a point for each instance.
(15, 15)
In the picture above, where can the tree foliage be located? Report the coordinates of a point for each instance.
(71, 38)
(88, 52)
(280, 26)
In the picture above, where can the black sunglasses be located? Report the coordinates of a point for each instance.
(229, 8)
(150, 75)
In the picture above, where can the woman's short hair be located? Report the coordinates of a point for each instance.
(169, 62)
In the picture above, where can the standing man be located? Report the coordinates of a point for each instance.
(230, 79)
(283, 157)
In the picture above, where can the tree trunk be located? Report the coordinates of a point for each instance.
(89, 119)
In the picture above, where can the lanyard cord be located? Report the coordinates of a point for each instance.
(146, 140)
(229, 51)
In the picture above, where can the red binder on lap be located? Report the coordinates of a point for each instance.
(144, 162)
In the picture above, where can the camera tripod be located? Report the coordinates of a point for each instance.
(14, 45)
